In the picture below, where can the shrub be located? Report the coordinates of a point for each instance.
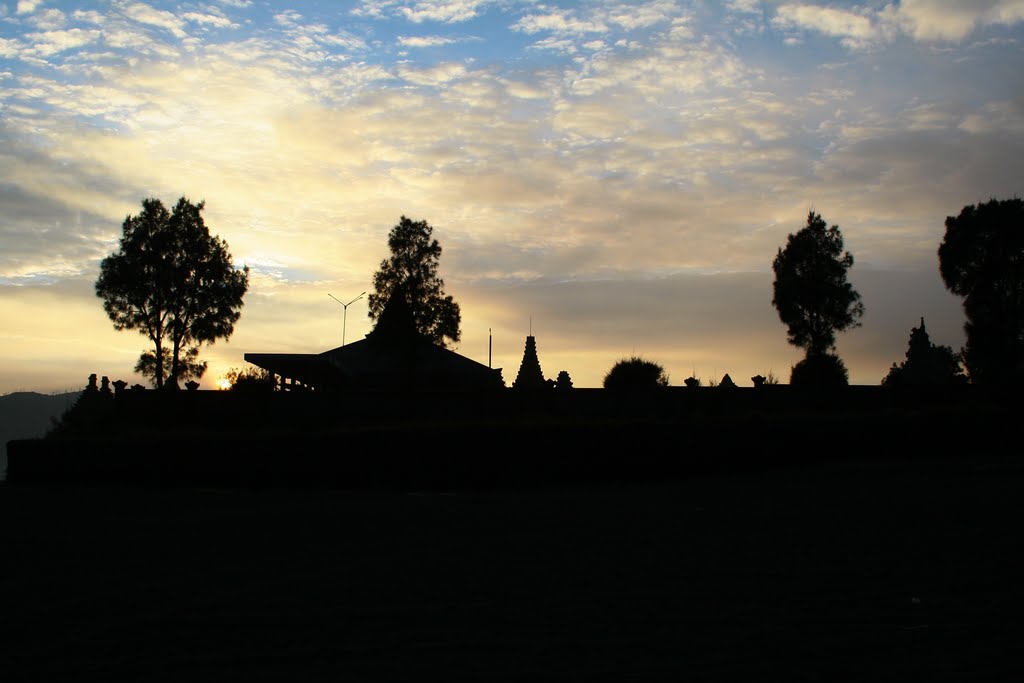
(250, 379)
(635, 373)
(820, 370)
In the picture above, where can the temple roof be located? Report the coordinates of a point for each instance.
(392, 355)
(396, 322)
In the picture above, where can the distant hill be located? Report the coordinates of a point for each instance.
(27, 415)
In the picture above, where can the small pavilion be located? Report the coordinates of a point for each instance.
(394, 355)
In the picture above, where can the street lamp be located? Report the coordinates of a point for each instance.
(344, 319)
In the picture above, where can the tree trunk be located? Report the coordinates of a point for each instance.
(172, 376)
(159, 375)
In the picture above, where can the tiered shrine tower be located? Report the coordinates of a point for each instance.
(530, 375)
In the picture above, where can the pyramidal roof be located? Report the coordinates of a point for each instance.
(393, 355)
(396, 322)
(530, 375)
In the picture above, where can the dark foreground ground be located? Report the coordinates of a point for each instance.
(880, 570)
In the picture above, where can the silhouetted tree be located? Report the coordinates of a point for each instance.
(811, 293)
(981, 258)
(174, 282)
(820, 370)
(189, 366)
(926, 363)
(635, 373)
(250, 380)
(413, 266)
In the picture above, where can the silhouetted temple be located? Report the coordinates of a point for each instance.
(530, 375)
(392, 356)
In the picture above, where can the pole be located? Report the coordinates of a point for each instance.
(490, 345)
(344, 318)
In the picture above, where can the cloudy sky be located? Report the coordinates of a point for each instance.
(614, 177)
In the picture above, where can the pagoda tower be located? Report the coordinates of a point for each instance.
(530, 375)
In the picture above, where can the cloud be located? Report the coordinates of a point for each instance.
(344, 40)
(663, 71)
(744, 6)
(561, 45)
(376, 9)
(314, 41)
(28, 6)
(923, 20)
(445, 11)
(45, 240)
(994, 118)
(49, 19)
(527, 91)
(564, 22)
(599, 18)
(144, 14)
(856, 31)
(10, 47)
(440, 74)
(655, 132)
(956, 19)
(897, 185)
(288, 18)
(636, 16)
(49, 43)
(89, 16)
(425, 41)
(215, 20)
(419, 11)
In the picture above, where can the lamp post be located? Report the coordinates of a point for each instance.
(344, 319)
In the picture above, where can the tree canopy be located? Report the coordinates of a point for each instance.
(250, 380)
(926, 363)
(981, 259)
(413, 267)
(635, 373)
(810, 292)
(174, 282)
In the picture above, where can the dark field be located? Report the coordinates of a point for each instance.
(888, 569)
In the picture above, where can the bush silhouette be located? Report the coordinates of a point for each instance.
(820, 370)
(635, 373)
(251, 380)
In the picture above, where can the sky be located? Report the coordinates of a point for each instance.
(613, 178)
